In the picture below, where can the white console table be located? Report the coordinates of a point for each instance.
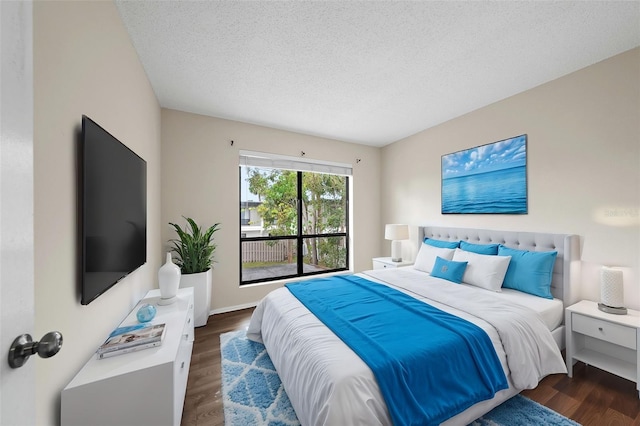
(146, 387)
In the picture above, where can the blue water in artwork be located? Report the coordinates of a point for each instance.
(499, 191)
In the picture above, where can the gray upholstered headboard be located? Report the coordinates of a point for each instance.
(566, 272)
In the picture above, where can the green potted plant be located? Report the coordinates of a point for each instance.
(195, 249)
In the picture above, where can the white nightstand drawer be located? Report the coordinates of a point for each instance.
(603, 330)
(386, 263)
(380, 265)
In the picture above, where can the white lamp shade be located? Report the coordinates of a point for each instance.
(396, 232)
(611, 287)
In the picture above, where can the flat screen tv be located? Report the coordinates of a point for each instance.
(113, 192)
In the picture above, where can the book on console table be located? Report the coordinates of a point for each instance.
(130, 339)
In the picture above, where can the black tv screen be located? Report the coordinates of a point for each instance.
(113, 209)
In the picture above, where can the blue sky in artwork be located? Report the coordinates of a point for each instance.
(486, 158)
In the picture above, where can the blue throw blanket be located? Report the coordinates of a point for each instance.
(430, 365)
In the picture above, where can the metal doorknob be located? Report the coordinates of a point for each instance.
(24, 346)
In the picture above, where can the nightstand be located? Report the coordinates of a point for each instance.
(386, 263)
(607, 341)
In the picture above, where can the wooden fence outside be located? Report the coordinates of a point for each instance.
(263, 251)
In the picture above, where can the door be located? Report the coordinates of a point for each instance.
(17, 386)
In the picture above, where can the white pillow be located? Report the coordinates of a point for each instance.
(483, 270)
(426, 257)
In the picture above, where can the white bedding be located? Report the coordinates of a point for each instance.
(328, 384)
(551, 311)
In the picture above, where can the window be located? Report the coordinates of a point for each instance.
(292, 222)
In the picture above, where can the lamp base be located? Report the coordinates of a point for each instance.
(612, 310)
(396, 251)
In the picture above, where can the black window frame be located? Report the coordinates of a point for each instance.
(299, 237)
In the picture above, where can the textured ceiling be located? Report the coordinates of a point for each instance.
(365, 72)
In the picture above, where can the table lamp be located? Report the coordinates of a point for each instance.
(611, 291)
(396, 232)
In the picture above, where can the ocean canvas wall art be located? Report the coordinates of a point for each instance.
(488, 179)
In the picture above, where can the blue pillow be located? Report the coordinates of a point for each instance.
(448, 270)
(529, 271)
(479, 248)
(441, 243)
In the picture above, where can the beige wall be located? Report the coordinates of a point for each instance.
(583, 166)
(200, 179)
(84, 63)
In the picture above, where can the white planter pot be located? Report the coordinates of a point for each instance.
(201, 284)
(168, 281)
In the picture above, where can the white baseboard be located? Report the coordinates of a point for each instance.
(234, 308)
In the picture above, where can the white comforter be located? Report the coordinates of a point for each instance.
(328, 384)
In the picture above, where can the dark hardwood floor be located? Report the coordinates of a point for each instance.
(591, 397)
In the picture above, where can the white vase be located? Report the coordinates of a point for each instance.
(169, 281)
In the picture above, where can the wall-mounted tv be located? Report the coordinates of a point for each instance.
(488, 179)
(113, 210)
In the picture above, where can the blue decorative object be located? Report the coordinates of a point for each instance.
(449, 270)
(529, 271)
(489, 249)
(146, 313)
(442, 243)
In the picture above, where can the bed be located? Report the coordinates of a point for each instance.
(329, 384)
